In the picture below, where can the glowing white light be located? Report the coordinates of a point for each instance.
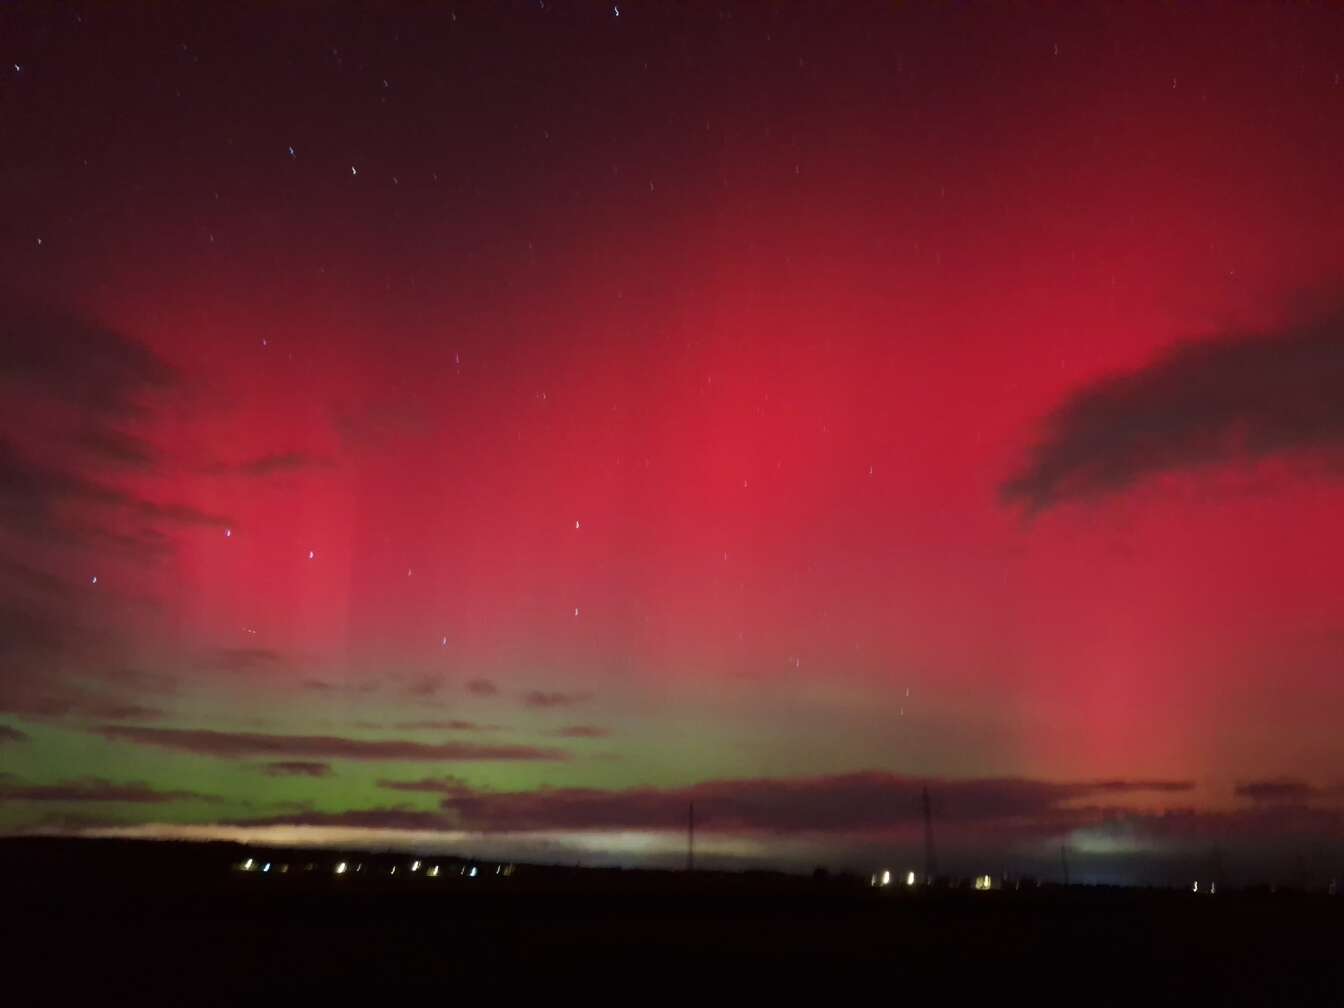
(886, 878)
(291, 152)
(228, 533)
(433, 871)
(576, 523)
(266, 866)
(473, 871)
(909, 878)
(247, 865)
(354, 170)
(393, 871)
(576, 608)
(1194, 887)
(94, 579)
(1213, 888)
(341, 868)
(616, 9)
(415, 866)
(311, 555)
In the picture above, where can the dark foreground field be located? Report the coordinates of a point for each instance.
(129, 921)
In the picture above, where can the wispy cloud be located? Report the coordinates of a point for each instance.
(243, 660)
(272, 464)
(116, 447)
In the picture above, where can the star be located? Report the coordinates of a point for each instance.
(354, 170)
(94, 580)
(291, 152)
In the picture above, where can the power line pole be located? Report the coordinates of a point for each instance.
(690, 838)
(930, 856)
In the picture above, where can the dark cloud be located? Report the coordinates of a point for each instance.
(482, 687)
(1283, 789)
(1242, 397)
(541, 698)
(450, 725)
(34, 498)
(241, 744)
(25, 579)
(36, 697)
(116, 447)
(581, 731)
(297, 768)
(52, 353)
(8, 734)
(92, 790)
(845, 803)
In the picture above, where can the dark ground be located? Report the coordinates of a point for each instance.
(122, 921)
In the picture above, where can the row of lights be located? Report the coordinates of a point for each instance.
(345, 867)
(883, 878)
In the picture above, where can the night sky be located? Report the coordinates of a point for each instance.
(494, 428)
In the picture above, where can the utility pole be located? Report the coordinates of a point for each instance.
(690, 838)
(930, 856)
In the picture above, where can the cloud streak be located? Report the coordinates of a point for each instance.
(848, 803)
(247, 744)
(544, 699)
(93, 790)
(1238, 398)
(581, 731)
(297, 768)
(1284, 789)
(449, 725)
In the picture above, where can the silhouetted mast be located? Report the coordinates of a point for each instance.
(930, 856)
(690, 838)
